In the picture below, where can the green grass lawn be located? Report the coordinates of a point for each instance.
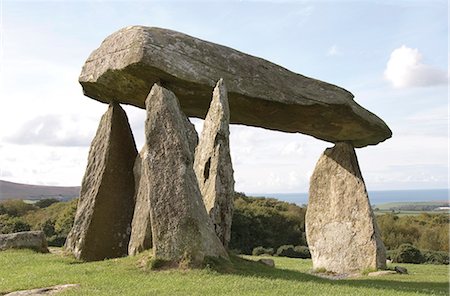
(23, 269)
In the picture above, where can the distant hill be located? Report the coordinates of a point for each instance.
(10, 190)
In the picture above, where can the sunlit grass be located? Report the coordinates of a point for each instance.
(25, 269)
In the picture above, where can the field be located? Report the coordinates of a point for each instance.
(23, 269)
(410, 208)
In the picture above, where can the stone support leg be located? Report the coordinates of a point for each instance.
(340, 226)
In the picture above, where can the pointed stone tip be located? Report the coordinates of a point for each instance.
(220, 84)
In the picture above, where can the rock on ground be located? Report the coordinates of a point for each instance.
(340, 227)
(261, 94)
(213, 165)
(34, 240)
(181, 228)
(141, 231)
(268, 262)
(102, 223)
(44, 291)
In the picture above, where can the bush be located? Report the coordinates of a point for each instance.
(435, 257)
(55, 220)
(258, 251)
(287, 251)
(265, 222)
(303, 252)
(15, 207)
(12, 224)
(44, 203)
(407, 253)
(391, 254)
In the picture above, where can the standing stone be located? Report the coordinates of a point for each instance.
(102, 223)
(340, 226)
(141, 231)
(181, 228)
(213, 166)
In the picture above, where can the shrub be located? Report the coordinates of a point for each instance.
(15, 207)
(258, 251)
(303, 252)
(44, 203)
(391, 254)
(12, 224)
(265, 222)
(407, 253)
(435, 257)
(287, 251)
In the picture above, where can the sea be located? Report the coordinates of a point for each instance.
(376, 197)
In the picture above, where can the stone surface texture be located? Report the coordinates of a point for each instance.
(213, 165)
(141, 231)
(181, 228)
(102, 223)
(34, 240)
(340, 227)
(261, 93)
(267, 261)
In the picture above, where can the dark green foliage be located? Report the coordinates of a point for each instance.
(15, 208)
(54, 218)
(390, 254)
(287, 251)
(407, 253)
(426, 231)
(435, 257)
(258, 251)
(43, 203)
(266, 222)
(12, 224)
(303, 252)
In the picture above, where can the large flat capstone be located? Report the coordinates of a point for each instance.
(260, 93)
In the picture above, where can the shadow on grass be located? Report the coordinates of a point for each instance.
(244, 267)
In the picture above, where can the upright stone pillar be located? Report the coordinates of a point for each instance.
(213, 166)
(181, 228)
(341, 230)
(102, 223)
(141, 231)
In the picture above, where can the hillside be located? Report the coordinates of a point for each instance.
(10, 190)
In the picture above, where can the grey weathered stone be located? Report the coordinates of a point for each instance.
(268, 262)
(141, 231)
(102, 223)
(181, 228)
(401, 270)
(34, 240)
(212, 164)
(261, 93)
(340, 226)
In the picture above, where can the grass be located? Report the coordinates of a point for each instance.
(24, 269)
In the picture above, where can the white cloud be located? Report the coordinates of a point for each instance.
(405, 69)
(54, 130)
(333, 50)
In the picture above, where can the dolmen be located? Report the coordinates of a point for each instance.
(176, 195)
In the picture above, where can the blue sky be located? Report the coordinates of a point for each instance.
(392, 55)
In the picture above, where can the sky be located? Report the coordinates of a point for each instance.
(392, 55)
